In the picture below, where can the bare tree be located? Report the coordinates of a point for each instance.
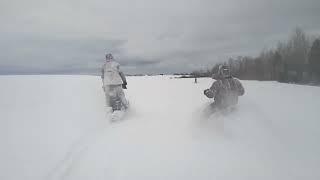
(298, 47)
(315, 59)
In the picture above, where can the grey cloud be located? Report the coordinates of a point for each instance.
(137, 62)
(42, 54)
(145, 36)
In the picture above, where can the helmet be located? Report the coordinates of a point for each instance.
(224, 71)
(109, 57)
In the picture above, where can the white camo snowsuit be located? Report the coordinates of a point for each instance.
(113, 79)
(226, 91)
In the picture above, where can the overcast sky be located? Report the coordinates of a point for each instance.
(145, 36)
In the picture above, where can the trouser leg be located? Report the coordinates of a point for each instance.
(114, 100)
(122, 97)
(107, 95)
(115, 97)
(111, 97)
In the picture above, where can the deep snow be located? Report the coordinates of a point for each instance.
(55, 127)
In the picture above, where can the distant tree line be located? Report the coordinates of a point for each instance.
(297, 60)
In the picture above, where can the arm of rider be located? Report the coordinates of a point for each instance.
(102, 76)
(123, 78)
(102, 73)
(211, 93)
(239, 88)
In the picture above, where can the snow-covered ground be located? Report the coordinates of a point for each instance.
(55, 127)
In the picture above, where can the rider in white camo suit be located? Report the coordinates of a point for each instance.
(225, 90)
(113, 83)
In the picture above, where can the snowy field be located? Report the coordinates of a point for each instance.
(55, 127)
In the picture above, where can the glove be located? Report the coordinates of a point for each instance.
(124, 85)
(208, 93)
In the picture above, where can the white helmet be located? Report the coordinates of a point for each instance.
(109, 57)
(224, 71)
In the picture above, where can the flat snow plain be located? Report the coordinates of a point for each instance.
(55, 127)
